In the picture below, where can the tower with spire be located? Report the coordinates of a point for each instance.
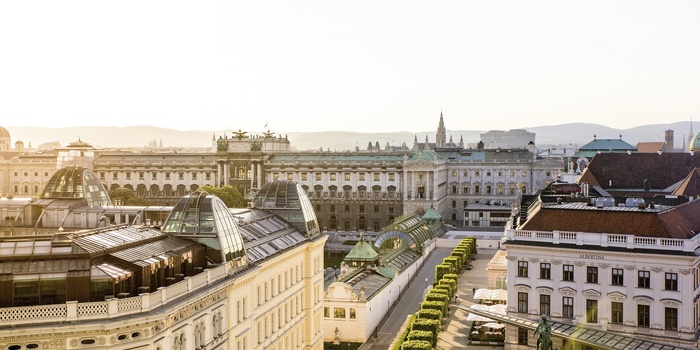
(690, 133)
(441, 137)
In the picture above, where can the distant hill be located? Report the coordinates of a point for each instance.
(575, 134)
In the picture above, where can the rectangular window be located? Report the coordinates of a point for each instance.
(567, 310)
(642, 315)
(290, 176)
(643, 279)
(591, 311)
(275, 176)
(392, 177)
(332, 176)
(181, 176)
(568, 273)
(545, 271)
(488, 189)
(465, 190)
(347, 208)
(326, 312)
(376, 208)
(617, 277)
(591, 274)
(362, 208)
(318, 176)
(522, 268)
(362, 176)
(376, 176)
(353, 313)
(114, 176)
(671, 319)
(522, 302)
(616, 313)
(671, 281)
(304, 176)
(544, 304)
(346, 176)
(477, 189)
(522, 336)
(524, 174)
(454, 204)
(338, 312)
(167, 176)
(194, 176)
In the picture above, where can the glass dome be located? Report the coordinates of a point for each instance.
(76, 182)
(289, 200)
(206, 219)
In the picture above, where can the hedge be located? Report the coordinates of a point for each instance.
(429, 325)
(446, 288)
(454, 261)
(416, 345)
(430, 314)
(437, 296)
(422, 335)
(404, 334)
(441, 270)
(434, 305)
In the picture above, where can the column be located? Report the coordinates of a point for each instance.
(413, 184)
(252, 173)
(226, 174)
(218, 174)
(404, 184)
(259, 174)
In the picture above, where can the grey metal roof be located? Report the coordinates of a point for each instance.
(588, 336)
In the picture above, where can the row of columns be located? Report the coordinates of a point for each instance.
(429, 183)
(223, 173)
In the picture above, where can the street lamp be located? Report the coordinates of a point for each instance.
(426, 283)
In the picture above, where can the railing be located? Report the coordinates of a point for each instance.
(604, 240)
(75, 311)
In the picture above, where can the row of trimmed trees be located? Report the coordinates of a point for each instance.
(422, 330)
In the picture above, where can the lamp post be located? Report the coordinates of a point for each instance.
(426, 283)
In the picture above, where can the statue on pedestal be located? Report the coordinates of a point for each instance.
(544, 335)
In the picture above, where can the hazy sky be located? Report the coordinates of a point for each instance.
(354, 65)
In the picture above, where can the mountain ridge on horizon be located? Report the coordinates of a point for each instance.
(568, 134)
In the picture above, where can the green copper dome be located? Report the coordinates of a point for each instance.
(695, 143)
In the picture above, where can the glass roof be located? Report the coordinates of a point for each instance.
(289, 200)
(206, 219)
(76, 182)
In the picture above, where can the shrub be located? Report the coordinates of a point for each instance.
(441, 270)
(429, 325)
(434, 305)
(430, 314)
(446, 288)
(449, 282)
(456, 266)
(437, 296)
(416, 345)
(422, 335)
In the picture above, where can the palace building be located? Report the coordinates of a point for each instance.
(350, 191)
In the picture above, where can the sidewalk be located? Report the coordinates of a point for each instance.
(454, 336)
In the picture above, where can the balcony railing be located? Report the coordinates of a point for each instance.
(75, 311)
(604, 240)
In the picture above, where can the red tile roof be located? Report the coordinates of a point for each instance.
(690, 187)
(628, 171)
(670, 222)
(649, 147)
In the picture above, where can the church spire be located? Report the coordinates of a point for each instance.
(427, 145)
(461, 141)
(441, 138)
(691, 134)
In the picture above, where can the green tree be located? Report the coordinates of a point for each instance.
(125, 196)
(227, 193)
